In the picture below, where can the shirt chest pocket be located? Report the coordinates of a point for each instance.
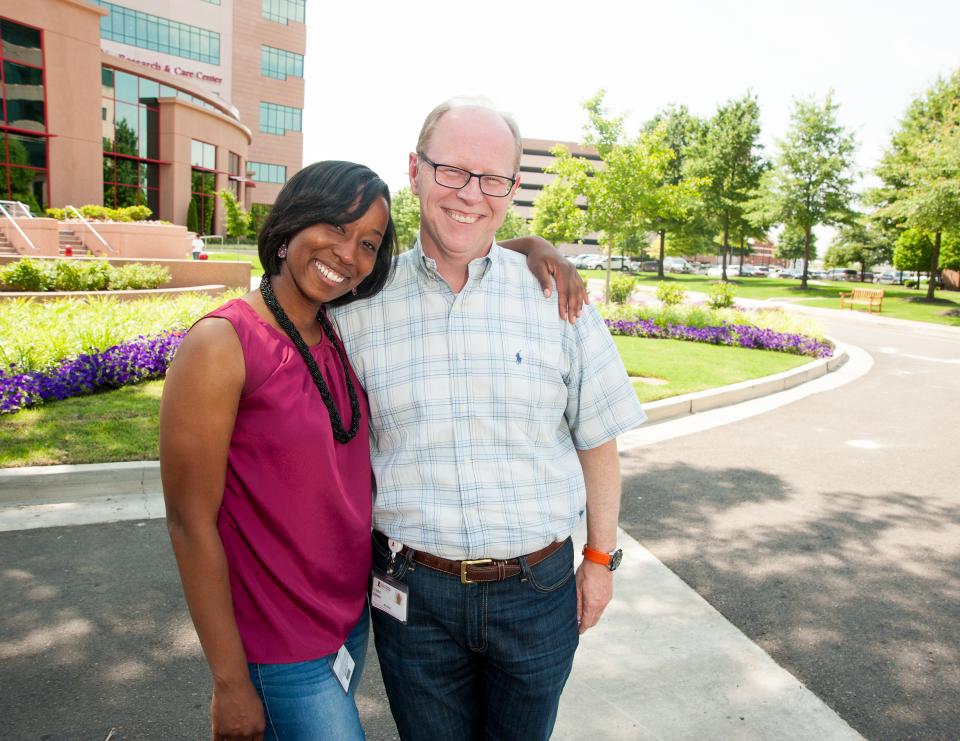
(527, 378)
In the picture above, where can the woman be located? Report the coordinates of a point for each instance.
(266, 467)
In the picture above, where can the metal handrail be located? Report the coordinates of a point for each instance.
(23, 207)
(17, 227)
(90, 227)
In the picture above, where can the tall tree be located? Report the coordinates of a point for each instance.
(681, 132)
(514, 225)
(793, 243)
(811, 182)
(556, 215)
(626, 192)
(729, 154)
(405, 210)
(861, 242)
(921, 169)
(238, 220)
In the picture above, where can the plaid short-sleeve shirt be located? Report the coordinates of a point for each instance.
(478, 403)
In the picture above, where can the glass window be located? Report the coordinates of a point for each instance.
(126, 87)
(149, 91)
(279, 119)
(106, 80)
(24, 96)
(280, 64)
(159, 34)
(203, 155)
(20, 43)
(283, 11)
(264, 172)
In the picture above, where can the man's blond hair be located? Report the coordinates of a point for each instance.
(431, 121)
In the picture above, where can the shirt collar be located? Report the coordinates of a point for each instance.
(476, 270)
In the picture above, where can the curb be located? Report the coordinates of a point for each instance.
(32, 485)
(702, 401)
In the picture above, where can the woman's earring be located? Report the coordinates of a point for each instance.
(282, 252)
(354, 291)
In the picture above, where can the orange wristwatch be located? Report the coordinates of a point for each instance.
(611, 560)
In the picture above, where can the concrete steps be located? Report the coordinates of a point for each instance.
(68, 238)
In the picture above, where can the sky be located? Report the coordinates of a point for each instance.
(374, 69)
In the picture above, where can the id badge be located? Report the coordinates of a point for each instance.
(389, 596)
(343, 666)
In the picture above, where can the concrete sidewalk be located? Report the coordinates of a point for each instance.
(663, 663)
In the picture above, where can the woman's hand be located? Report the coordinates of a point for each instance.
(548, 265)
(236, 713)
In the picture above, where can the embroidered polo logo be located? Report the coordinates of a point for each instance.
(519, 359)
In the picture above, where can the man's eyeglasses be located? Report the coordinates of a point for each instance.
(448, 176)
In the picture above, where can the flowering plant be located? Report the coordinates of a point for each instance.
(129, 362)
(737, 335)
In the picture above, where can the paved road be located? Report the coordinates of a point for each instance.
(828, 530)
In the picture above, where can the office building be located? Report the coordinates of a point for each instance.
(153, 102)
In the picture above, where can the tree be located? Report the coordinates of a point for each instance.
(793, 242)
(625, 193)
(556, 215)
(728, 155)
(921, 169)
(860, 242)
(238, 220)
(681, 132)
(514, 225)
(405, 210)
(812, 180)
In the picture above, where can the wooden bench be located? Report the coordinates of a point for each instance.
(872, 298)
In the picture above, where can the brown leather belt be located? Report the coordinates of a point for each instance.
(482, 569)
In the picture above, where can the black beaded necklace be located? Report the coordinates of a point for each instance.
(342, 436)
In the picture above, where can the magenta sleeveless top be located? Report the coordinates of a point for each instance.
(295, 517)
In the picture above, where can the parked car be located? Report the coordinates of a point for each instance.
(676, 265)
(717, 271)
(599, 262)
(892, 277)
(843, 274)
(647, 266)
(580, 262)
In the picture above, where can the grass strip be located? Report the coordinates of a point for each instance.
(121, 425)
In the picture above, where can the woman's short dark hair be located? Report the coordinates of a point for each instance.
(329, 192)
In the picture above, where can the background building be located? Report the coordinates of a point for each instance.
(534, 161)
(154, 102)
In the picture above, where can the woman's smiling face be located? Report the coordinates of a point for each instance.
(325, 261)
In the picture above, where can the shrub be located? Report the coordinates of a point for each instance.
(138, 276)
(720, 296)
(138, 213)
(669, 294)
(621, 286)
(27, 275)
(93, 211)
(56, 213)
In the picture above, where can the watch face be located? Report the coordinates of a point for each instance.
(615, 559)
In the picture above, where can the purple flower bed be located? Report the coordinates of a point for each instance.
(738, 335)
(129, 362)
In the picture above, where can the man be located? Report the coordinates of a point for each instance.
(493, 422)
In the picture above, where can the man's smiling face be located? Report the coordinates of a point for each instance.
(458, 225)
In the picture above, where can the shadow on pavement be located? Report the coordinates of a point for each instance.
(95, 639)
(837, 589)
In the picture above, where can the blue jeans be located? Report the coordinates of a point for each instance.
(304, 701)
(478, 661)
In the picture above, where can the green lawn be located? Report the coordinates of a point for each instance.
(256, 269)
(898, 301)
(121, 425)
(694, 366)
(116, 425)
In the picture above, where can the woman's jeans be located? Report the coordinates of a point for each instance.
(478, 661)
(305, 701)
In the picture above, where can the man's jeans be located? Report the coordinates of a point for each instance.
(478, 661)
